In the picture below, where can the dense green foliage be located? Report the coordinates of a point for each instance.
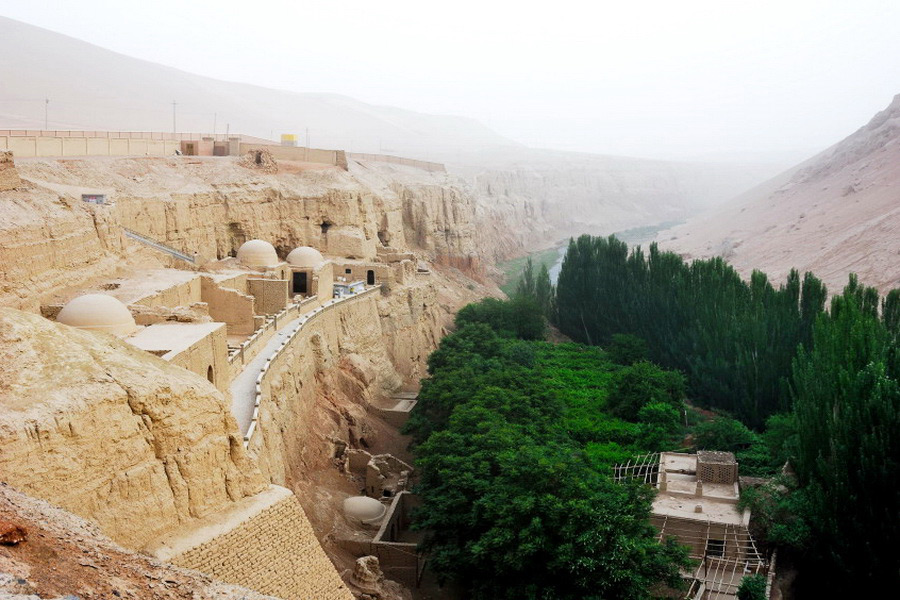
(825, 384)
(846, 391)
(520, 317)
(733, 339)
(538, 288)
(514, 444)
(625, 349)
(753, 587)
(644, 383)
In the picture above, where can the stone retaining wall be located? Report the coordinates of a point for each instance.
(269, 547)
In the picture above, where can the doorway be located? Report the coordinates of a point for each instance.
(370, 277)
(300, 283)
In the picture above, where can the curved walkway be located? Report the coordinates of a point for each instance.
(245, 387)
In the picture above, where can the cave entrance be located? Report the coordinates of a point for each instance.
(370, 277)
(211, 375)
(300, 282)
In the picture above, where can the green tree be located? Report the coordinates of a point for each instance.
(641, 384)
(520, 317)
(753, 587)
(626, 349)
(723, 433)
(847, 452)
(733, 339)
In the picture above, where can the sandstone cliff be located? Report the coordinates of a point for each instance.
(51, 239)
(64, 556)
(835, 214)
(112, 433)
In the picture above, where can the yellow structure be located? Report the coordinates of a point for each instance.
(98, 312)
(257, 253)
(697, 503)
(198, 347)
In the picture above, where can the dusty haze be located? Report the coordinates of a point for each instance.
(765, 81)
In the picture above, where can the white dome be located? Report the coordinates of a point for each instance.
(364, 509)
(257, 253)
(98, 312)
(305, 257)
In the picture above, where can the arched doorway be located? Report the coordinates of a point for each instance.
(210, 375)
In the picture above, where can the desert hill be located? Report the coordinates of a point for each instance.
(90, 87)
(836, 213)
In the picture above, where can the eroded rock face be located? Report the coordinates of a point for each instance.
(112, 433)
(9, 177)
(49, 239)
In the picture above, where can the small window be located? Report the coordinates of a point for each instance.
(348, 271)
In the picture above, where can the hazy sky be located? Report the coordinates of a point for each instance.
(670, 79)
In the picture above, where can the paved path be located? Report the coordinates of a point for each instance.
(243, 387)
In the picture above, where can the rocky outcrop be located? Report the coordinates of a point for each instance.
(113, 433)
(49, 239)
(9, 177)
(67, 557)
(369, 580)
(835, 214)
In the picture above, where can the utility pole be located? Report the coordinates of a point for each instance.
(215, 116)
(307, 137)
(46, 110)
(174, 128)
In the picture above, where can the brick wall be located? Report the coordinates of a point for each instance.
(274, 551)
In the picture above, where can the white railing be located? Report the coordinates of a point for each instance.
(305, 320)
(240, 355)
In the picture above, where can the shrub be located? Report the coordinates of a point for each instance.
(641, 384)
(753, 587)
(626, 349)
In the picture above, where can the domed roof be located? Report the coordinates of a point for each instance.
(364, 508)
(257, 253)
(305, 257)
(98, 312)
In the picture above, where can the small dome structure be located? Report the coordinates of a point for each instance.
(257, 253)
(305, 258)
(365, 509)
(98, 312)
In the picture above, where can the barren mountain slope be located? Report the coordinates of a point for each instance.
(835, 214)
(90, 87)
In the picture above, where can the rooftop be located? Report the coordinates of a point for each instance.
(170, 339)
(678, 491)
